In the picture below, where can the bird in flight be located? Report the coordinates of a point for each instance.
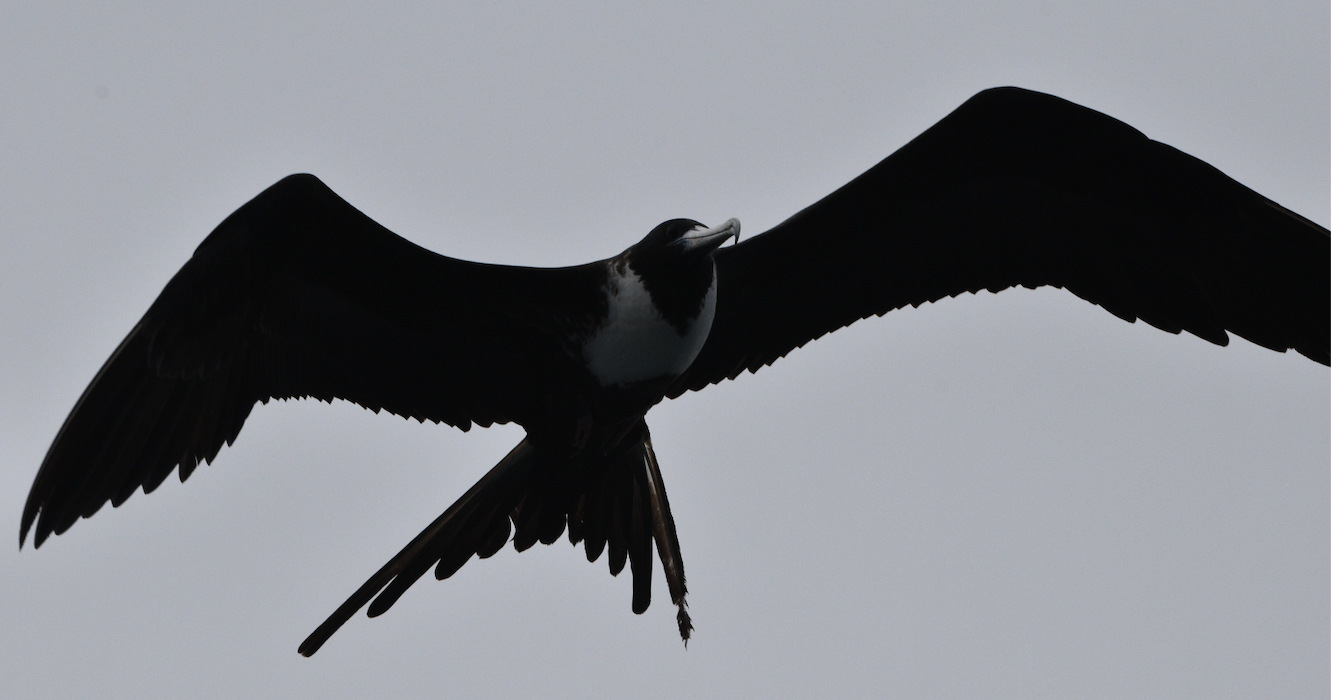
(298, 294)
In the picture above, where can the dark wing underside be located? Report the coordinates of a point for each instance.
(1020, 188)
(298, 294)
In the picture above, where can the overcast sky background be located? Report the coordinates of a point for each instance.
(1012, 495)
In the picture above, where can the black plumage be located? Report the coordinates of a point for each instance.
(299, 294)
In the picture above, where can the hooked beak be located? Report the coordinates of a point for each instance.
(705, 240)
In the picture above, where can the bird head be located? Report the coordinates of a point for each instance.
(688, 239)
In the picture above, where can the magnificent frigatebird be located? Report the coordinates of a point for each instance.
(298, 294)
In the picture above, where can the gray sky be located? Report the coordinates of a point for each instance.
(1010, 495)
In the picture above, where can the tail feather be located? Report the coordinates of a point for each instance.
(497, 538)
(526, 521)
(617, 538)
(615, 500)
(667, 542)
(514, 467)
(640, 549)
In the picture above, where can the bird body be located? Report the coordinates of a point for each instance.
(298, 294)
(636, 343)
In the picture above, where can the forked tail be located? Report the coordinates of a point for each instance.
(616, 501)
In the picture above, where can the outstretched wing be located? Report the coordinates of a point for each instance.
(298, 294)
(1021, 188)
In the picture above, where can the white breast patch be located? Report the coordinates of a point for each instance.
(635, 343)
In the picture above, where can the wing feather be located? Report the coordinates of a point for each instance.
(1020, 188)
(298, 294)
